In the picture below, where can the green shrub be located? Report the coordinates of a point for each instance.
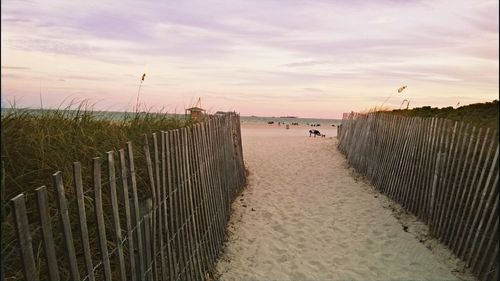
(479, 114)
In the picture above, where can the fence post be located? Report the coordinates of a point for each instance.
(47, 236)
(101, 228)
(153, 185)
(146, 211)
(24, 237)
(137, 216)
(82, 218)
(116, 216)
(434, 185)
(128, 221)
(62, 205)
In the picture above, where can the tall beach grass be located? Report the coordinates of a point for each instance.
(37, 143)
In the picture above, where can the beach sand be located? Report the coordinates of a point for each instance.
(305, 215)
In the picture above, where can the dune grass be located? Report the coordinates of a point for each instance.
(37, 143)
(484, 115)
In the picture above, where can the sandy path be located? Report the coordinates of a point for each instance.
(304, 216)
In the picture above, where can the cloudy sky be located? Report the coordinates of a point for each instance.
(311, 58)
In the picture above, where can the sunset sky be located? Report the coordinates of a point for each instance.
(263, 57)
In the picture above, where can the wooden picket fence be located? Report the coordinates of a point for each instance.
(176, 233)
(444, 172)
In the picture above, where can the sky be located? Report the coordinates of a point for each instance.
(306, 58)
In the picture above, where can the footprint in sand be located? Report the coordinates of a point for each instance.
(278, 228)
(280, 251)
(299, 232)
(387, 255)
(318, 265)
(282, 258)
(267, 215)
(299, 276)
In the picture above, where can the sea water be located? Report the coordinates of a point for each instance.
(287, 120)
(111, 115)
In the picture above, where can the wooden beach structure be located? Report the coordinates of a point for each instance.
(196, 112)
(172, 229)
(445, 172)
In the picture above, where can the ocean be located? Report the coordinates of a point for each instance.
(287, 120)
(111, 115)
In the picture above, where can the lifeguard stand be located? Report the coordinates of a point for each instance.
(196, 112)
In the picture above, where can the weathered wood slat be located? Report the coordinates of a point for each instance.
(218, 188)
(195, 202)
(128, 219)
(431, 168)
(172, 211)
(181, 229)
(152, 183)
(160, 266)
(189, 241)
(82, 218)
(214, 215)
(173, 202)
(116, 215)
(137, 226)
(62, 205)
(47, 236)
(147, 240)
(24, 237)
(101, 228)
(168, 266)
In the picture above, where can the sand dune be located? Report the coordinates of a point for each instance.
(305, 216)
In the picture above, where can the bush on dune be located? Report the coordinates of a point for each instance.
(479, 114)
